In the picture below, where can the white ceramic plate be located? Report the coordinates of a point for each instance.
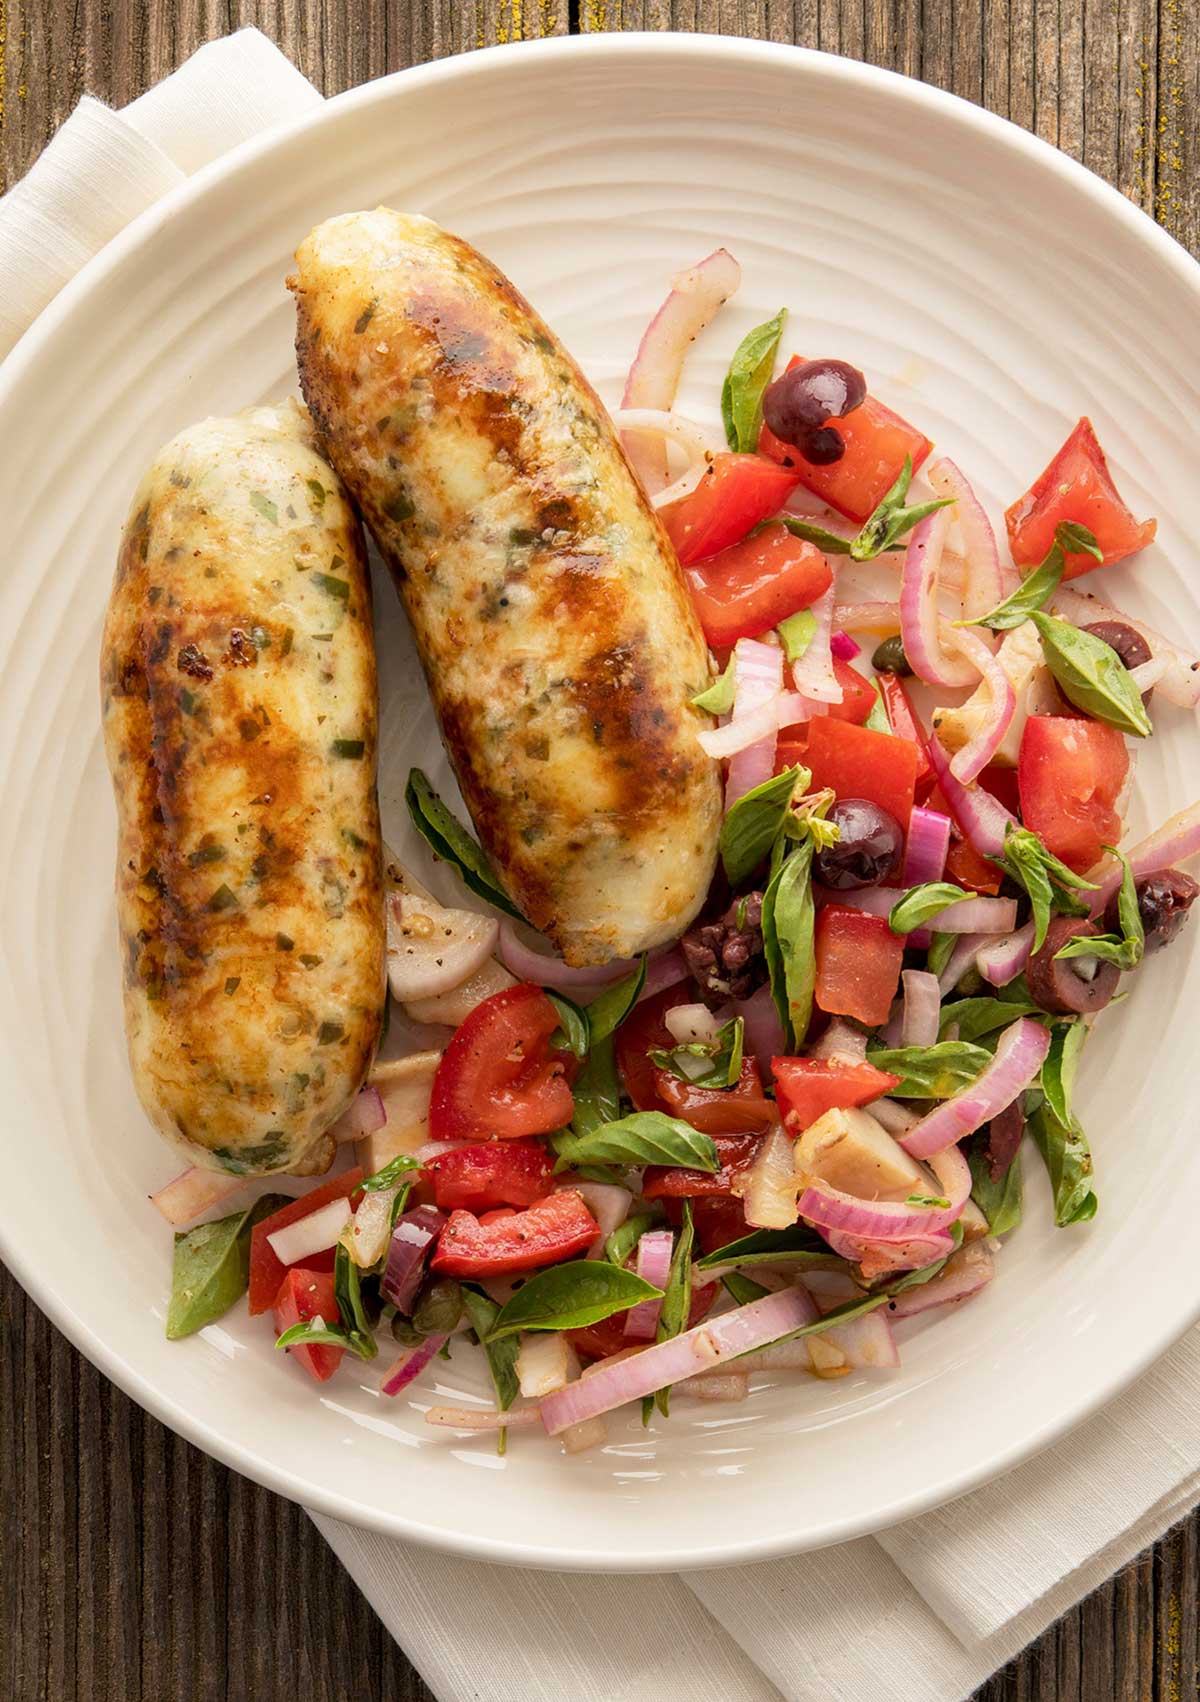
(993, 291)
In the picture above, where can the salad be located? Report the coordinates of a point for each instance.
(763, 1146)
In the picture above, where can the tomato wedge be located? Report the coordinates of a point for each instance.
(498, 1076)
(808, 1087)
(858, 694)
(1071, 774)
(858, 964)
(858, 762)
(486, 1174)
(267, 1271)
(718, 1219)
(906, 725)
(644, 1031)
(735, 1152)
(553, 1229)
(876, 440)
(750, 587)
(714, 1110)
(1077, 485)
(732, 497)
(304, 1294)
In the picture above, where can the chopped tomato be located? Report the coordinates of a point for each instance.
(906, 725)
(858, 762)
(553, 1229)
(642, 1032)
(964, 865)
(1002, 784)
(808, 1087)
(304, 1294)
(732, 497)
(750, 587)
(858, 964)
(1077, 485)
(858, 694)
(486, 1174)
(715, 1110)
(1071, 773)
(267, 1270)
(876, 440)
(602, 1340)
(498, 1076)
(718, 1219)
(735, 1153)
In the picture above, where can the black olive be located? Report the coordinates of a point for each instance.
(889, 658)
(1071, 986)
(868, 849)
(1128, 643)
(821, 448)
(804, 397)
(1164, 900)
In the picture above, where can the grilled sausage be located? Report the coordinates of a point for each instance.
(551, 616)
(239, 700)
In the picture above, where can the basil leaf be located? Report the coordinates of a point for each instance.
(843, 1314)
(941, 950)
(795, 1245)
(315, 1332)
(1048, 882)
(787, 924)
(1109, 948)
(796, 633)
(608, 1010)
(1061, 1066)
(724, 1055)
(931, 1072)
(831, 543)
(877, 721)
(501, 1355)
(1126, 952)
(1032, 592)
(450, 841)
(644, 1137)
(742, 1289)
(596, 1091)
(891, 520)
(211, 1267)
(1000, 1201)
(755, 822)
(569, 1297)
(974, 1018)
(677, 1296)
(390, 1175)
(920, 904)
(1077, 539)
(347, 1288)
(1091, 675)
(573, 1032)
(1068, 1159)
(626, 1236)
(717, 698)
(748, 376)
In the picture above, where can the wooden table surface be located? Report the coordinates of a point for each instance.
(138, 1570)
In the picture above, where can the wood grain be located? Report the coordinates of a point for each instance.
(138, 1569)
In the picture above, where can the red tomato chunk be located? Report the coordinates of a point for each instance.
(1077, 485)
(498, 1075)
(305, 1294)
(752, 586)
(735, 1152)
(808, 1087)
(858, 762)
(1071, 774)
(715, 1110)
(734, 494)
(266, 1269)
(858, 964)
(556, 1228)
(486, 1174)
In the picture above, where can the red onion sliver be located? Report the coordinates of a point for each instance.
(1001, 961)
(410, 1365)
(897, 1119)
(653, 1266)
(764, 1036)
(966, 1272)
(844, 647)
(867, 1342)
(1019, 1056)
(608, 1204)
(968, 916)
(186, 1196)
(988, 580)
(960, 960)
(922, 1008)
(983, 819)
(696, 1350)
(413, 1239)
(919, 620)
(663, 968)
(365, 1115)
(758, 679)
(813, 674)
(480, 1418)
(890, 1220)
(926, 846)
(841, 1039)
(969, 762)
(760, 723)
(315, 1233)
(1174, 842)
(545, 971)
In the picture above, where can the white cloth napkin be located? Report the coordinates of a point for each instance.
(924, 1612)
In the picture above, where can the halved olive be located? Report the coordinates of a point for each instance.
(1070, 986)
(1164, 901)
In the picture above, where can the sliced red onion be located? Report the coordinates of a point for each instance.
(413, 1239)
(668, 425)
(866, 1342)
(966, 1272)
(926, 846)
(968, 916)
(919, 619)
(608, 1204)
(477, 1418)
(960, 960)
(195, 1191)
(812, 674)
(882, 1257)
(734, 736)
(768, 1188)
(695, 297)
(716, 1386)
(663, 968)
(653, 1266)
(709, 1344)
(969, 762)
(792, 709)
(315, 1233)
(841, 1040)
(1001, 961)
(844, 647)
(758, 679)
(538, 967)
(1180, 681)
(763, 1035)
(1019, 1056)
(922, 1008)
(983, 819)
(410, 1365)
(1174, 842)
(365, 1115)
(890, 1220)
(987, 579)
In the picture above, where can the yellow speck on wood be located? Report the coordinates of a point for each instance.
(1171, 1650)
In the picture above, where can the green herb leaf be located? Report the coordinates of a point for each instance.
(677, 1296)
(788, 916)
(1076, 539)
(569, 1297)
(755, 822)
(347, 1290)
(941, 950)
(391, 1174)
(644, 1137)
(878, 721)
(920, 904)
(502, 1354)
(1000, 1201)
(449, 840)
(339, 588)
(1061, 1066)
(626, 1236)
(223, 899)
(1068, 1159)
(262, 504)
(717, 698)
(596, 1091)
(315, 1332)
(572, 1032)
(830, 543)
(1091, 675)
(931, 1072)
(1030, 594)
(938, 1201)
(1049, 883)
(748, 376)
(743, 1289)
(891, 519)
(796, 633)
(1127, 949)
(348, 750)
(317, 493)
(975, 1018)
(713, 1063)
(211, 1267)
(608, 1010)
(795, 1245)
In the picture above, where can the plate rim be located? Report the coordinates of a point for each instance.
(35, 343)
